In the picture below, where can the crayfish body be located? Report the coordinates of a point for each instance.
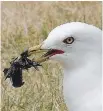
(16, 68)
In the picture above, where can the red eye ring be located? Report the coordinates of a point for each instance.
(68, 40)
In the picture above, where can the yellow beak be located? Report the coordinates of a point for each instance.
(37, 49)
(34, 49)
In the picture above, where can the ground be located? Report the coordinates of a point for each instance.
(25, 24)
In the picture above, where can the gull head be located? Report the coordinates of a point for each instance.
(72, 44)
(73, 41)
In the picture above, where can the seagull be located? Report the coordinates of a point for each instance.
(78, 47)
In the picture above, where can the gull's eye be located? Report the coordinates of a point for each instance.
(68, 40)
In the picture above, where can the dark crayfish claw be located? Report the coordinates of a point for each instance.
(6, 74)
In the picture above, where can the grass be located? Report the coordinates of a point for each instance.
(25, 24)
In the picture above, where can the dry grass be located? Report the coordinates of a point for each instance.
(25, 24)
